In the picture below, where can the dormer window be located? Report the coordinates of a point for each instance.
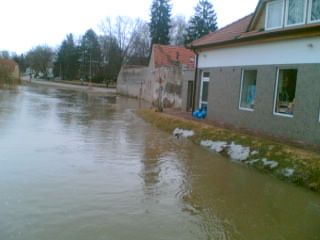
(296, 12)
(314, 15)
(274, 15)
(280, 13)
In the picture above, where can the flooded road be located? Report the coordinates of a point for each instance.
(75, 166)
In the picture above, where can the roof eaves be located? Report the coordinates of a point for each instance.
(263, 35)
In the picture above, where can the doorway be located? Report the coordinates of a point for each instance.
(190, 95)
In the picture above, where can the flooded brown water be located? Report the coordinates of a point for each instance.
(75, 166)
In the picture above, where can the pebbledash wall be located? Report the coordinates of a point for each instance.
(225, 67)
(145, 83)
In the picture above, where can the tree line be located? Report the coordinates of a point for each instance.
(122, 40)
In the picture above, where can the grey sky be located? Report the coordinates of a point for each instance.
(27, 23)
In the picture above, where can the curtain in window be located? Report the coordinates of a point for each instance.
(296, 9)
(315, 10)
(275, 10)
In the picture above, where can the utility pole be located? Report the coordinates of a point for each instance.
(90, 70)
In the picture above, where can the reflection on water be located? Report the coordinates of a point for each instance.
(84, 166)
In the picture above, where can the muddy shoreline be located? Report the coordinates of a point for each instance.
(286, 162)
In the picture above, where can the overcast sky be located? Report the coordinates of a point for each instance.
(27, 23)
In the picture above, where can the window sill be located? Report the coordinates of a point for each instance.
(246, 109)
(283, 115)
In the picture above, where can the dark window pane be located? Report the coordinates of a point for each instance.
(286, 91)
(205, 91)
(206, 74)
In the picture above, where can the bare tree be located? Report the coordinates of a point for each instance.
(39, 59)
(130, 35)
(178, 30)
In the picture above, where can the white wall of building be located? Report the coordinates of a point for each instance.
(299, 51)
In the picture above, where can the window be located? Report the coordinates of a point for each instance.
(274, 15)
(248, 89)
(295, 12)
(285, 92)
(204, 92)
(314, 11)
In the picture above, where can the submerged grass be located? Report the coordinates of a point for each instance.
(306, 164)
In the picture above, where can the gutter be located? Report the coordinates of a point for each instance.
(195, 79)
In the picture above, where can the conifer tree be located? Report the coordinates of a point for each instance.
(67, 65)
(203, 22)
(160, 21)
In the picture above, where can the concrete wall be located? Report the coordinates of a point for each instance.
(131, 79)
(150, 84)
(224, 95)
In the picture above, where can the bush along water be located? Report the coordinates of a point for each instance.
(286, 162)
(7, 80)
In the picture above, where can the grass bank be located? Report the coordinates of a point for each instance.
(299, 166)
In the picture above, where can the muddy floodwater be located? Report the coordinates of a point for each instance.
(78, 166)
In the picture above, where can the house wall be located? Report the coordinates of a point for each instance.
(172, 82)
(224, 95)
(298, 51)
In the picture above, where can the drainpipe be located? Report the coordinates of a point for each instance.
(195, 80)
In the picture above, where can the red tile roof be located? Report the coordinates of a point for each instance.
(165, 55)
(229, 32)
(238, 31)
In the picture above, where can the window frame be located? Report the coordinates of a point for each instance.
(276, 90)
(309, 14)
(305, 13)
(282, 15)
(204, 79)
(241, 89)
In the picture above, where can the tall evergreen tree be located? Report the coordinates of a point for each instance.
(91, 55)
(203, 22)
(67, 62)
(160, 22)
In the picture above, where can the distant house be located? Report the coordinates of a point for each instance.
(262, 72)
(170, 70)
(11, 67)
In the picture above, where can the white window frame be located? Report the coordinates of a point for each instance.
(276, 97)
(267, 14)
(309, 13)
(241, 88)
(204, 79)
(304, 14)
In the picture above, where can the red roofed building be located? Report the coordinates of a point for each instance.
(164, 81)
(170, 56)
(262, 72)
